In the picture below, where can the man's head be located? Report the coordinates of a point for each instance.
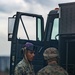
(28, 51)
(50, 53)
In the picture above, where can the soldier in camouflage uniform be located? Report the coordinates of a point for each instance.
(25, 67)
(52, 56)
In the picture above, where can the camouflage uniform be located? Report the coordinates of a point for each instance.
(52, 68)
(24, 68)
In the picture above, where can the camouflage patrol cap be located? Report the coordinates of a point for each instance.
(50, 53)
(29, 46)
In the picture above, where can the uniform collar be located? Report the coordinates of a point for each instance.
(52, 64)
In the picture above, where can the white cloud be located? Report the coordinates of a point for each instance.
(4, 45)
(12, 6)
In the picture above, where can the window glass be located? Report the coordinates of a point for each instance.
(55, 28)
(39, 29)
(27, 28)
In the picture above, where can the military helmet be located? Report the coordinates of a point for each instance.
(50, 53)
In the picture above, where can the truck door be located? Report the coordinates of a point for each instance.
(22, 28)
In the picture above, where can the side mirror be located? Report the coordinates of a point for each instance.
(11, 21)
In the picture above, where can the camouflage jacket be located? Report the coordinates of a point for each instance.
(24, 68)
(52, 69)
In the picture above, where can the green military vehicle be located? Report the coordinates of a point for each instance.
(58, 32)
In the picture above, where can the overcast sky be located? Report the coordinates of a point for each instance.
(10, 7)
